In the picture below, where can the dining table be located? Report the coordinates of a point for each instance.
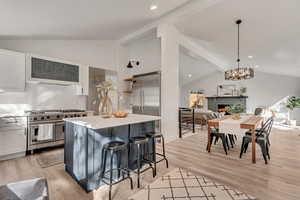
(228, 125)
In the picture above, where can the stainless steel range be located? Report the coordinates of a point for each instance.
(46, 127)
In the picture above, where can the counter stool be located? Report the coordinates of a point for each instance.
(155, 136)
(114, 148)
(138, 141)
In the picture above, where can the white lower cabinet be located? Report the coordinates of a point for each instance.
(12, 143)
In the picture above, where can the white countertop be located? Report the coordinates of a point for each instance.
(97, 122)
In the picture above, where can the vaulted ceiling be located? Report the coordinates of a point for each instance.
(193, 67)
(78, 19)
(270, 32)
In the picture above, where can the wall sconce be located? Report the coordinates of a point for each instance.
(133, 63)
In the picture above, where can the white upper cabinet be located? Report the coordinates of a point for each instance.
(83, 87)
(12, 71)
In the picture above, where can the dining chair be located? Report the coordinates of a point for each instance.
(262, 139)
(259, 129)
(231, 137)
(258, 111)
(215, 134)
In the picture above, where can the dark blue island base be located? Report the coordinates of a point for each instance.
(83, 150)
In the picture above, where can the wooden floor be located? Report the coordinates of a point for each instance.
(279, 180)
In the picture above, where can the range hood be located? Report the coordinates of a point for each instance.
(51, 71)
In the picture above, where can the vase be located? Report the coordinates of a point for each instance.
(105, 107)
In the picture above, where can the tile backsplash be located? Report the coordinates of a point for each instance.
(41, 96)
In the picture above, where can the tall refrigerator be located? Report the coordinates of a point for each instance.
(146, 94)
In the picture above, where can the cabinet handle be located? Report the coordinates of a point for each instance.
(81, 90)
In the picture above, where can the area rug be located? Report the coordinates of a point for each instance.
(34, 189)
(49, 160)
(182, 184)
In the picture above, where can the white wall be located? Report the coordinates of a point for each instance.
(94, 53)
(263, 90)
(147, 51)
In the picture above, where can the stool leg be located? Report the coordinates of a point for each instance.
(128, 173)
(154, 155)
(110, 174)
(128, 155)
(139, 165)
(118, 154)
(164, 151)
(104, 163)
(147, 157)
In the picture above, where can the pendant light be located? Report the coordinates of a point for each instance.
(239, 73)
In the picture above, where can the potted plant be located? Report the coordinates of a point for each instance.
(292, 103)
(235, 110)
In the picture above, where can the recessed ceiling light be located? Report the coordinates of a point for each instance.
(256, 66)
(250, 57)
(190, 75)
(153, 7)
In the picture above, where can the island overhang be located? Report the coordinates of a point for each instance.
(97, 122)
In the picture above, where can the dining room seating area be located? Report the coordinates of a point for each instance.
(249, 130)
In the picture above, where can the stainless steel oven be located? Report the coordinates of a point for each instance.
(59, 131)
(53, 117)
(34, 133)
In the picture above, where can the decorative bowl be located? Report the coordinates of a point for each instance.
(236, 116)
(120, 114)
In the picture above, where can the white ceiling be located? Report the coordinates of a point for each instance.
(191, 64)
(78, 19)
(270, 32)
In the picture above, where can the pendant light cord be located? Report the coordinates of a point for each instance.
(238, 50)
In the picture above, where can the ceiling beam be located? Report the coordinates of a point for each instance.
(200, 51)
(192, 46)
(190, 8)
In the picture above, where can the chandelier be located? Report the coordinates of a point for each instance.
(239, 73)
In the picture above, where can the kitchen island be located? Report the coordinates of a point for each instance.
(86, 136)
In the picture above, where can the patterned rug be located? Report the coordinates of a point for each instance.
(181, 184)
(48, 160)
